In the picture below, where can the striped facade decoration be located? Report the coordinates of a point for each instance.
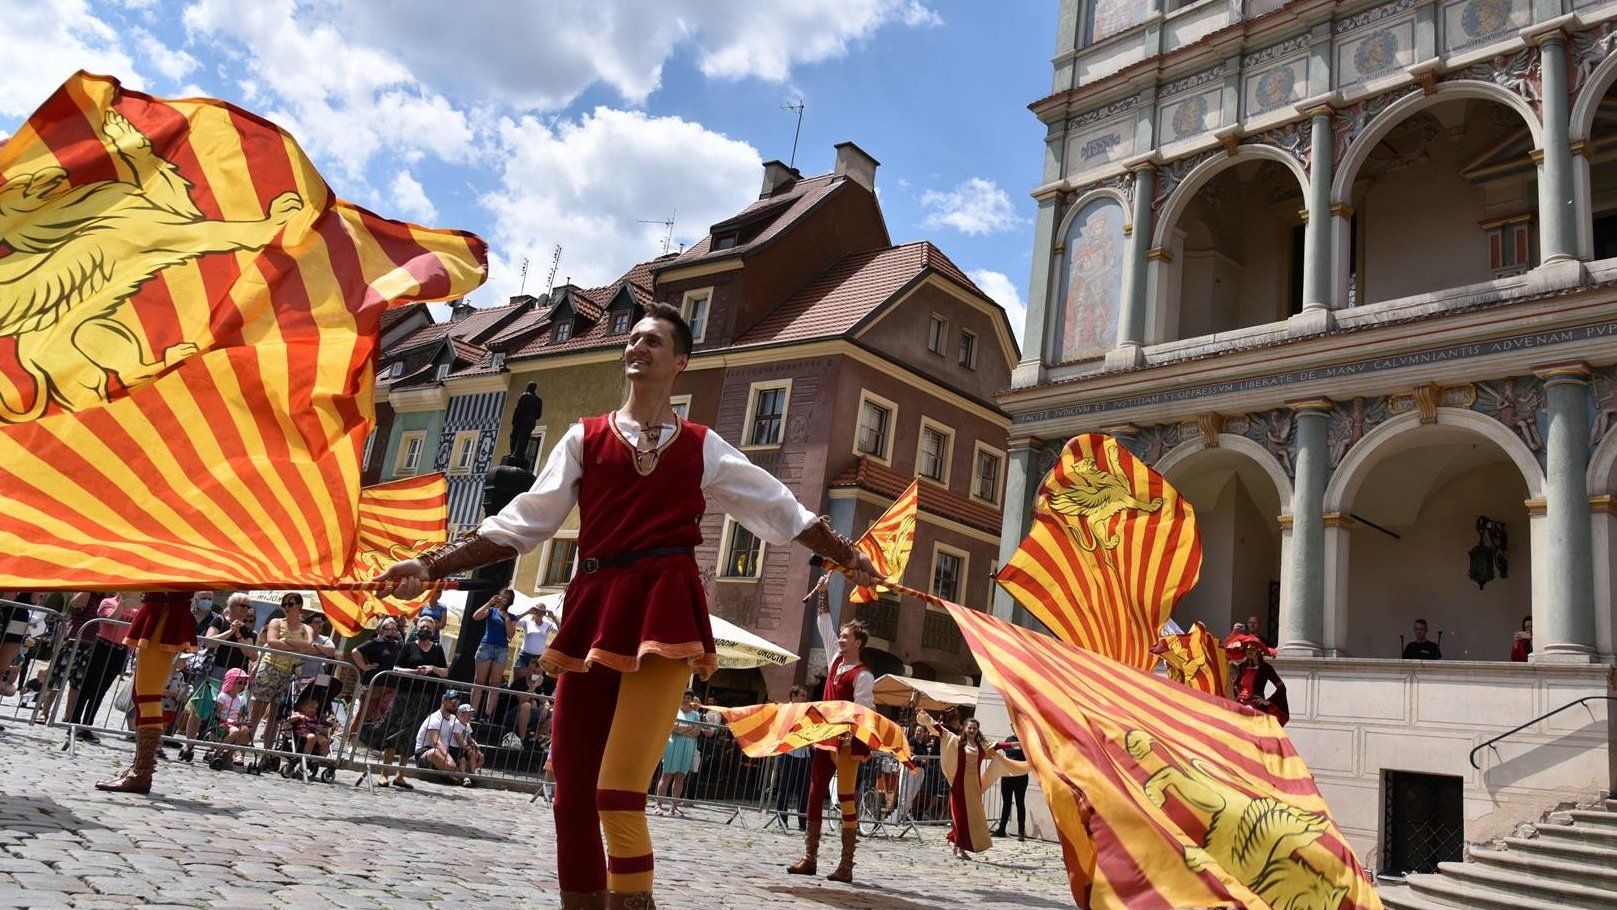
(481, 412)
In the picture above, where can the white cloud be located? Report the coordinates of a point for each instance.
(999, 288)
(587, 184)
(46, 42)
(977, 206)
(173, 63)
(410, 200)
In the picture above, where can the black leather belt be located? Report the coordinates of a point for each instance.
(596, 563)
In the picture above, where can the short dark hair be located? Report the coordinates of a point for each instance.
(670, 314)
(290, 598)
(797, 689)
(690, 693)
(859, 630)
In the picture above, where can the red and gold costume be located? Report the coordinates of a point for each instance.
(963, 765)
(160, 629)
(635, 625)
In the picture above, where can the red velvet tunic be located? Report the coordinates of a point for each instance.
(655, 605)
(164, 622)
(839, 683)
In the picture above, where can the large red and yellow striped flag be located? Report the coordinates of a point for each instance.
(1165, 797)
(397, 520)
(1113, 547)
(773, 729)
(888, 542)
(188, 331)
(1195, 659)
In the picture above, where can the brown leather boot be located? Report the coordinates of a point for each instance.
(811, 847)
(583, 900)
(844, 870)
(630, 900)
(138, 778)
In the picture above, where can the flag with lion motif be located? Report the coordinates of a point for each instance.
(888, 542)
(188, 328)
(1112, 548)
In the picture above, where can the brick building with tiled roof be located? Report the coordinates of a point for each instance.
(843, 364)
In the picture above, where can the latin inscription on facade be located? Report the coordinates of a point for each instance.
(1095, 148)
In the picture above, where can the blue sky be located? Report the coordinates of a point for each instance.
(569, 121)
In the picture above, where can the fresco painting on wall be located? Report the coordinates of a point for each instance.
(1108, 17)
(1376, 51)
(1470, 23)
(1092, 282)
(1277, 86)
(1191, 117)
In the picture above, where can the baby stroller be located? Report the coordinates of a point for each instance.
(304, 765)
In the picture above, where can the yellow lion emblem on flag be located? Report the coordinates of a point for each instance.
(71, 257)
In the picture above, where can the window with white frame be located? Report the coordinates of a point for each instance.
(563, 332)
(396, 369)
(987, 473)
(620, 322)
(561, 562)
(463, 452)
(948, 573)
(681, 405)
(968, 350)
(535, 446)
(932, 455)
(743, 552)
(694, 307)
(874, 437)
(409, 457)
(441, 373)
(370, 445)
(766, 413)
(937, 334)
(498, 361)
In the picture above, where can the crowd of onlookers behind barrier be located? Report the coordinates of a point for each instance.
(281, 696)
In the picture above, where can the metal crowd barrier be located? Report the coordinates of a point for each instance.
(508, 760)
(56, 631)
(107, 682)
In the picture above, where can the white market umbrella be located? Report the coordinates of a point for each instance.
(934, 696)
(739, 649)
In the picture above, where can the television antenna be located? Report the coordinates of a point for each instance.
(524, 285)
(668, 224)
(797, 108)
(555, 261)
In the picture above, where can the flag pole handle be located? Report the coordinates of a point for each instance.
(820, 562)
(444, 584)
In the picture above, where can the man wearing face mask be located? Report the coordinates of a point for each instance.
(416, 674)
(371, 658)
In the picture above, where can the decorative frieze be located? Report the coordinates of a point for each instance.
(1101, 113)
(1170, 175)
(1189, 82)
(1349, 421)
(1516, 402)
(1520, 72)
(1293, 139)
(1369, 16)
(1275, 51)
(1587, 50)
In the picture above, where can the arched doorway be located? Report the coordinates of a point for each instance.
(1237, 505)
(1412, 495)
(1235, 252)
(1444, 194)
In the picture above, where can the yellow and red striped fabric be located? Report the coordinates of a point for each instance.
(888, 542)
(188, 331)
(1112, 548)
(1165, 797)
(1195, 659)
(773, 729)
(397, 520)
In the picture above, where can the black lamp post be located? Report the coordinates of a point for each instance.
(501, 484)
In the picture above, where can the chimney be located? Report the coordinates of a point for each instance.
(854, 164)
(777, 177)
(459, 310)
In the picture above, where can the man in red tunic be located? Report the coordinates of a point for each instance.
(847, 679)
(636, 623)
(160, 629)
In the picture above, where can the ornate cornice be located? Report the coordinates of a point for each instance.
(1193, 81)
(1276, 51)
(1101, 113)
(1342, 26)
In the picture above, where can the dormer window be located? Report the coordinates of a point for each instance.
(441, 372)
(563, 332)
(396, 370)
(498, 362)
(724, 241)
(620, 322)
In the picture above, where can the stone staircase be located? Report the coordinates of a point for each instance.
(1570, 861)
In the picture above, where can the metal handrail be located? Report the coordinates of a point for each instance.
(1546, 716)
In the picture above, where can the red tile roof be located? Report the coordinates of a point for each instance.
(857, 286)
(804, 196)
(597, 335)
(392, 316)
(877, 478)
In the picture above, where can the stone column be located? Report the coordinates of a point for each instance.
(1566, 633)
(1127, 353)
(1317, 233)
(1302, 619)
(1558, 234)
(1021, 483)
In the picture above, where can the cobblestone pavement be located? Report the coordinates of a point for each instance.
(232, 840)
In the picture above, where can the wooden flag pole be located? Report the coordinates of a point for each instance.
(821, 562)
